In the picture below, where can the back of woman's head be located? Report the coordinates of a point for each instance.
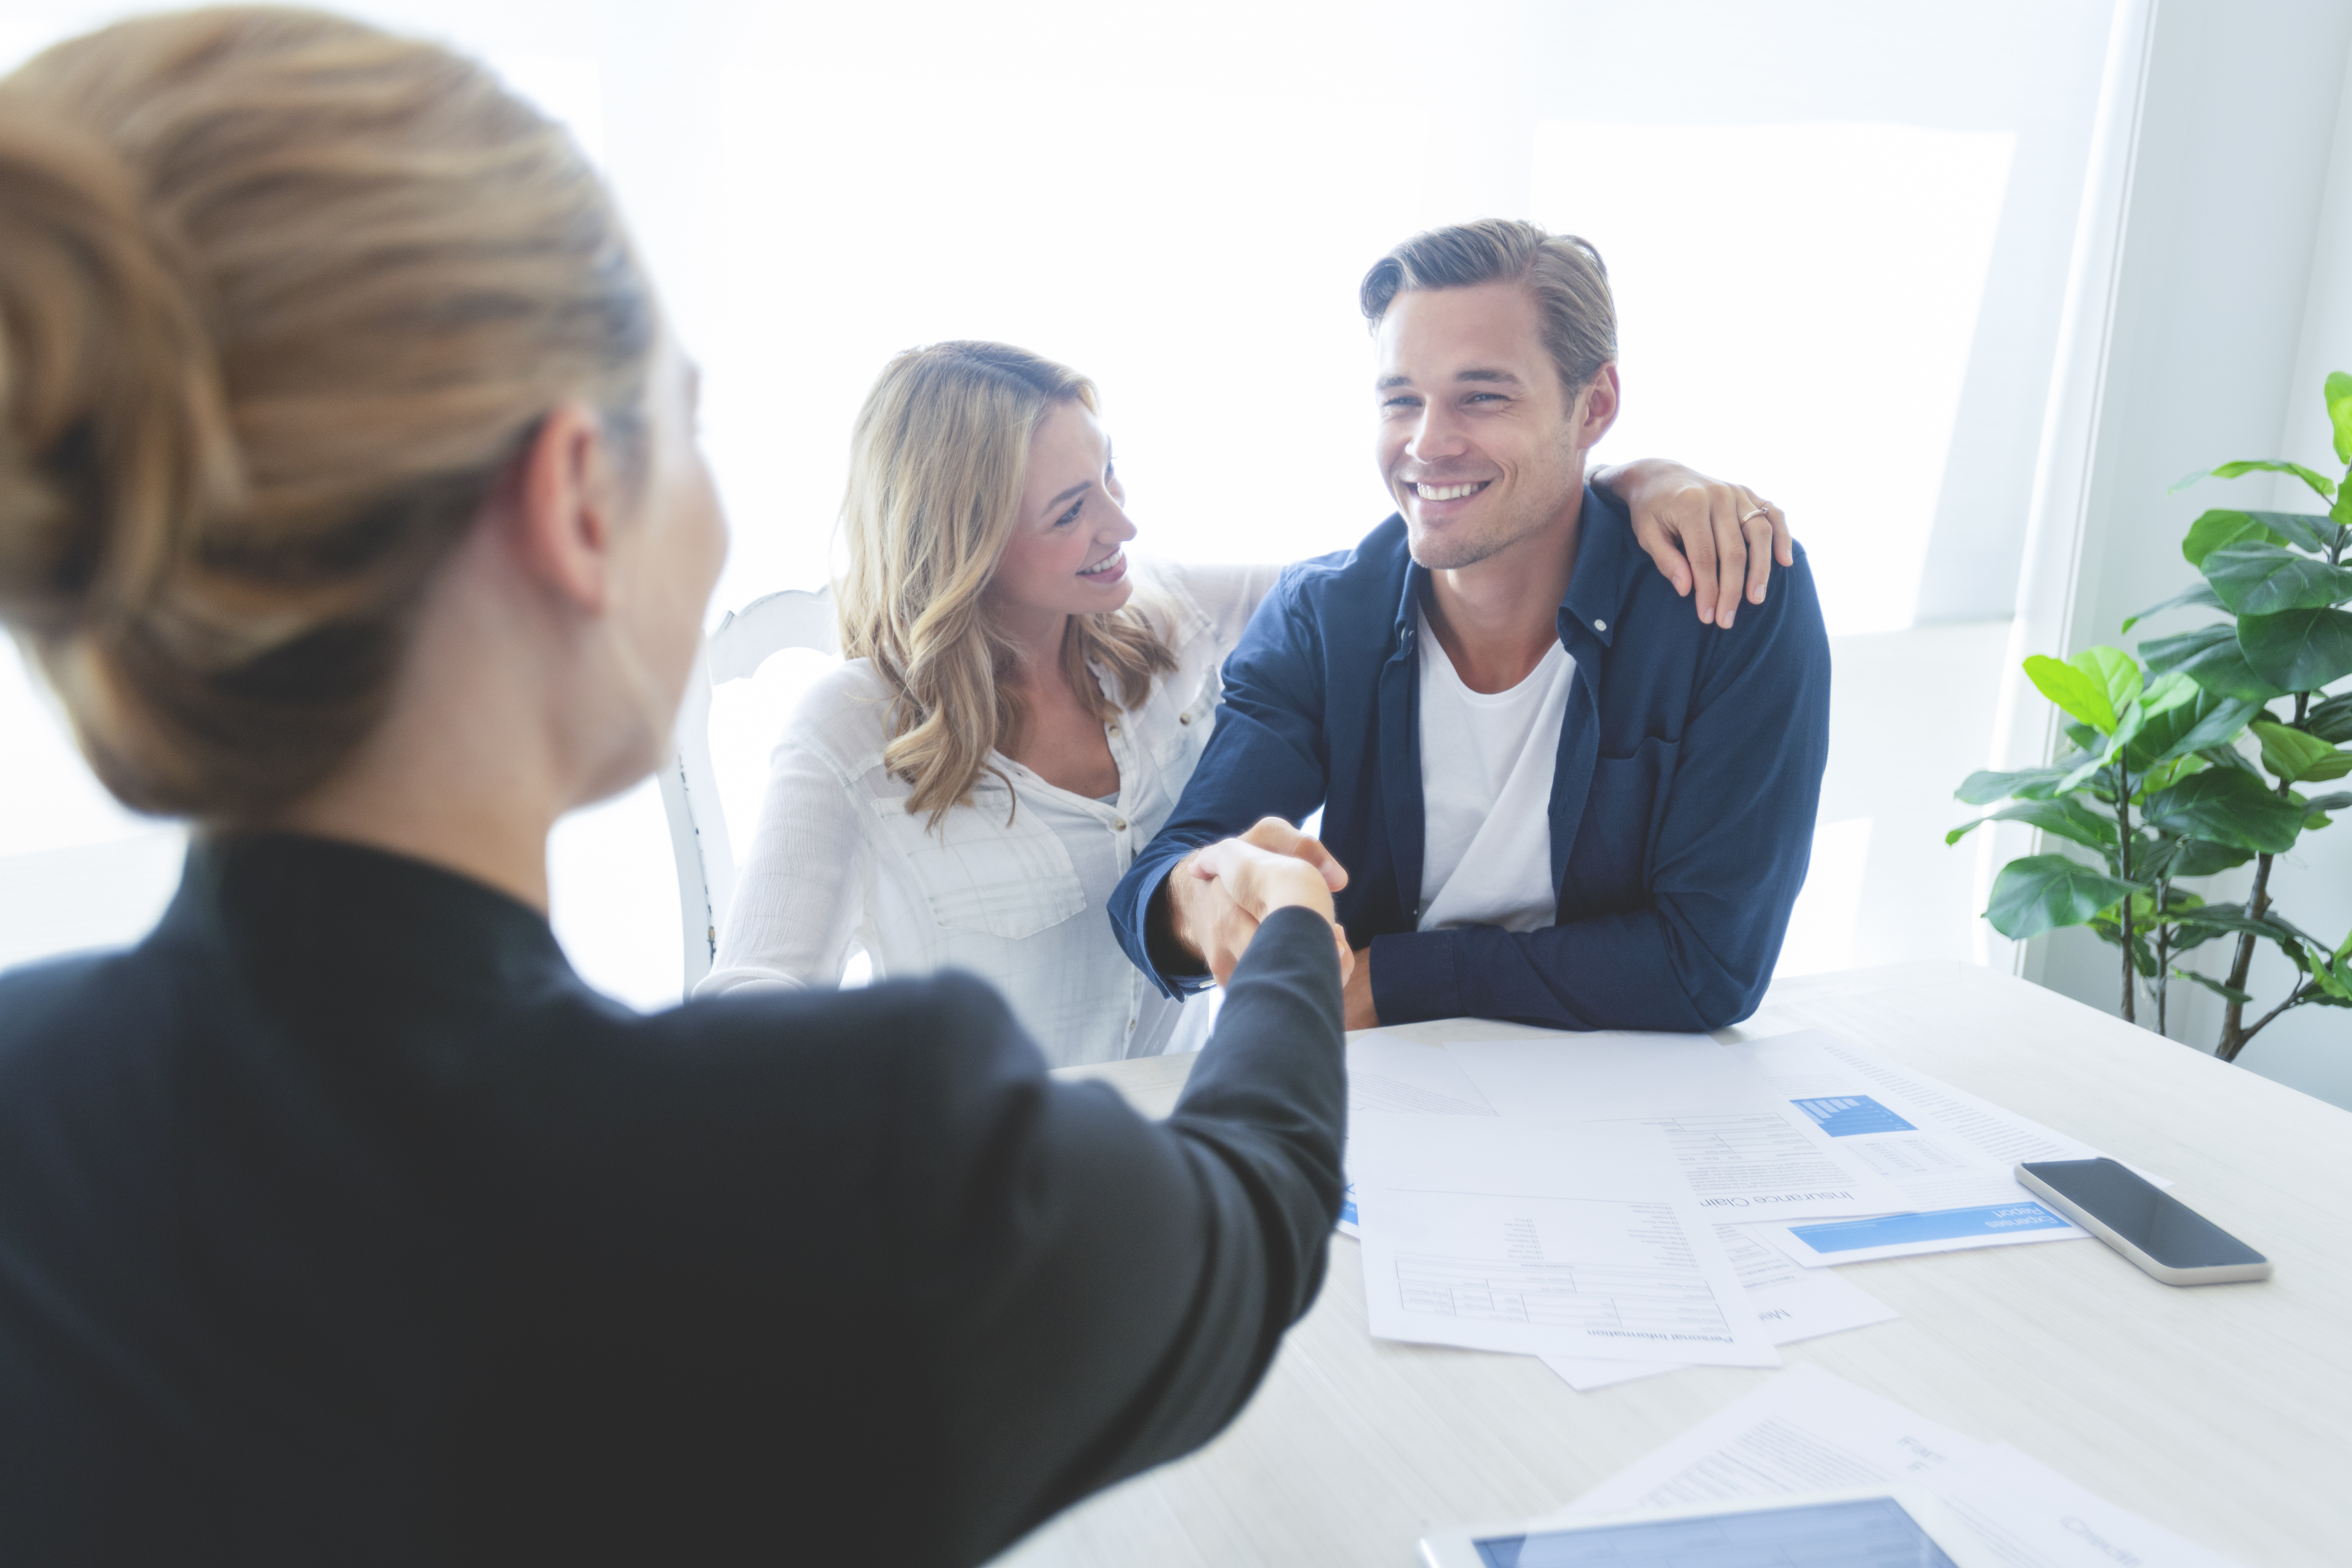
(280, 297)
(938, 463)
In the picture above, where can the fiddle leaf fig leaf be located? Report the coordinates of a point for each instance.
(1983, 788)
(2227, 993)
(2210, 657)
(2306, 531)
(2068, 819)
(2201, 596)
(2181, 730)
(2075, 690)
(2338, 393)
(2044, 892)
(2295, 757)
(2297, 650)
(2320, 483)
(2222, 806)
(2225, 525)
(2254, 579)
(2332, 720)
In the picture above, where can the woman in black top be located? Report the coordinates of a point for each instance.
(349, 499)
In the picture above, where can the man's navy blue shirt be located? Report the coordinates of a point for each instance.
(1682, 803)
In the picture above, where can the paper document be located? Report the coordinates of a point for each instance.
(1392, 1075)
(1939, 1147)
(1503, 1234)
(1742, 1148)
(1791, 1303)
(1602, 1278)
(1808, 1430)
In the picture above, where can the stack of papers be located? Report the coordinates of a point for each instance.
(1811, 1431)
(1622, 1204)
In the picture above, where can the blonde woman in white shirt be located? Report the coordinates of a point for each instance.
(1021, 705)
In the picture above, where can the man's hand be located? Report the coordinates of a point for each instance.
(1356, 996)
(1703, 534)
(1218, 895)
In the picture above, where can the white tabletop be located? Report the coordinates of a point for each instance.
(2223, 1412)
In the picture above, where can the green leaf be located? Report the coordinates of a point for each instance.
(2222, 806)
(2253, 579)
(2069, 819)
(2297, 650)
(2224, 525)
(2292, 756)
(1983, 788)
(2332, 720)
(2227, 993)
(2306, 530)
(2335, 802)
(2202, 595)
(2210, 657)
(2043, 892)
(2321, 483)
(2338, 390)
(2205, 720)
(2073, 690)
(2116, 673)
(2199, 858)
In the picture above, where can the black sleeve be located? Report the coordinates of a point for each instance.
(1107, 1291)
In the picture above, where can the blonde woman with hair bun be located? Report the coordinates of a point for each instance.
(351, 504)
(1022, 705)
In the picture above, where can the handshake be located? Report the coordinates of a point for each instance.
(1217, 895)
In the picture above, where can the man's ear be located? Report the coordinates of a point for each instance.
(1597, 407)
(560, 504)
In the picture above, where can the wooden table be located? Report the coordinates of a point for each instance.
(2223, 1412)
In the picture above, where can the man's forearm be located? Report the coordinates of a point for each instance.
(1642, 969)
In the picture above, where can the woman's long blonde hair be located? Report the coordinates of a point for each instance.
(280, 295)
(937, 468)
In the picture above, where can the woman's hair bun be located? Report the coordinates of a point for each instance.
(114, 434)
(280, 295)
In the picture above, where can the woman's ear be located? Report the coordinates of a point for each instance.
(561, 504)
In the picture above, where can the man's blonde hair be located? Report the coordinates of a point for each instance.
(1563, 272)
(937, 465)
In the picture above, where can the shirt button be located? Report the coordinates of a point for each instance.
(1119, 825)
(1600, 626)
(1183, 718)
(1114, 729)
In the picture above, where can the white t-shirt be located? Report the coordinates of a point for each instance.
(1486, 792)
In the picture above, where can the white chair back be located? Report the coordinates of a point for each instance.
(689, 787)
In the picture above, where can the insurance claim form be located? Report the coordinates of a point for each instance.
(1528, 1236)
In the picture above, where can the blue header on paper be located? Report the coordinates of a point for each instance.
(1936, 1225)
(1844, 1115)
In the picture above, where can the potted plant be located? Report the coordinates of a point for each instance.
(2159, 783)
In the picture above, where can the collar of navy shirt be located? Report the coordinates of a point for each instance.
(1605, 572)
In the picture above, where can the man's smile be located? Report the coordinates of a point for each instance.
(1425, 490)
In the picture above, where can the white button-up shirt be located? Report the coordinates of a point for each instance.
(1011, 887)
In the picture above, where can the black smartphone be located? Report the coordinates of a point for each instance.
(2156, 1230)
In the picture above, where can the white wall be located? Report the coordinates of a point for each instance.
(2226, 301)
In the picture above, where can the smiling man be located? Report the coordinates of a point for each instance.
(1548, 793)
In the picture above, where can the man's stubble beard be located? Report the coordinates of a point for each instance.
(1452, 553)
